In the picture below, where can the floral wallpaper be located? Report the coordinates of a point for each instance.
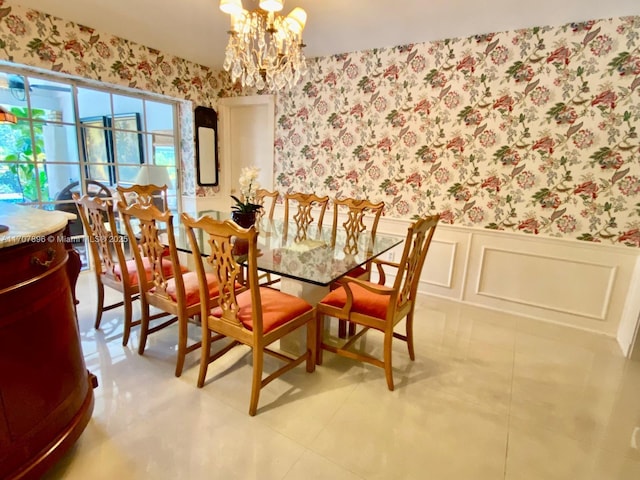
(532, 131)
(39, 40)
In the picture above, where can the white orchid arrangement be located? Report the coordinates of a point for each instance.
(249, 186)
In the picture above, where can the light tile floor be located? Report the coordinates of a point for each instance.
(490, 396)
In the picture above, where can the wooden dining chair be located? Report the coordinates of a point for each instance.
(268, 201)
(249, 314)
(380, 307)
(174, 291)
(361, 216)
(145, 195)
(304, 205)
(110, 265)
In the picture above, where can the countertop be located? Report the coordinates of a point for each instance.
(29, 224)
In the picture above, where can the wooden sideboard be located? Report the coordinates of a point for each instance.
(46, 392)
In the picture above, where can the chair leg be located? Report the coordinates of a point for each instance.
(182, 344)
(352, 329)
(96, 324)
(388, 338)
(144, 325)
(128, 318)
(412, 354)
(312, 345)
(256, 384)
(342, 328)
(205, 352)
(319, 337)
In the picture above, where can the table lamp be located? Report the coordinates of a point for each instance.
(153, 175)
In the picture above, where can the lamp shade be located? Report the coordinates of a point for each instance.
(271, 5)
(7, 117)
(153, 175)
(296, 20)
(232, 7)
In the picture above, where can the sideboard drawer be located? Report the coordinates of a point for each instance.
(29, 261)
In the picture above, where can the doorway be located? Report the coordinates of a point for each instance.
(247, 126)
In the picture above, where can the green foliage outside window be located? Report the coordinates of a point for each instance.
(19, 153)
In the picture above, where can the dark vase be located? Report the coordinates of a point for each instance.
(244, 219)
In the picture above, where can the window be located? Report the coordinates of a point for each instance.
(68, 133)
(98, 145)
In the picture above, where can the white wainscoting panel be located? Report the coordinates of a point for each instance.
(446, 264)
(547, 282)
(441, 257)
(570, 282)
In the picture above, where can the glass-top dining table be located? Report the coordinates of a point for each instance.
(317, 260)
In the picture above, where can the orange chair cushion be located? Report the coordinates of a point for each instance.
(192, 287)
(277, 308)
(167, 269)
(364, 301)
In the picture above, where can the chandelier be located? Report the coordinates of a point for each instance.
(265, 48)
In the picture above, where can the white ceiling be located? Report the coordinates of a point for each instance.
(196, 29)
